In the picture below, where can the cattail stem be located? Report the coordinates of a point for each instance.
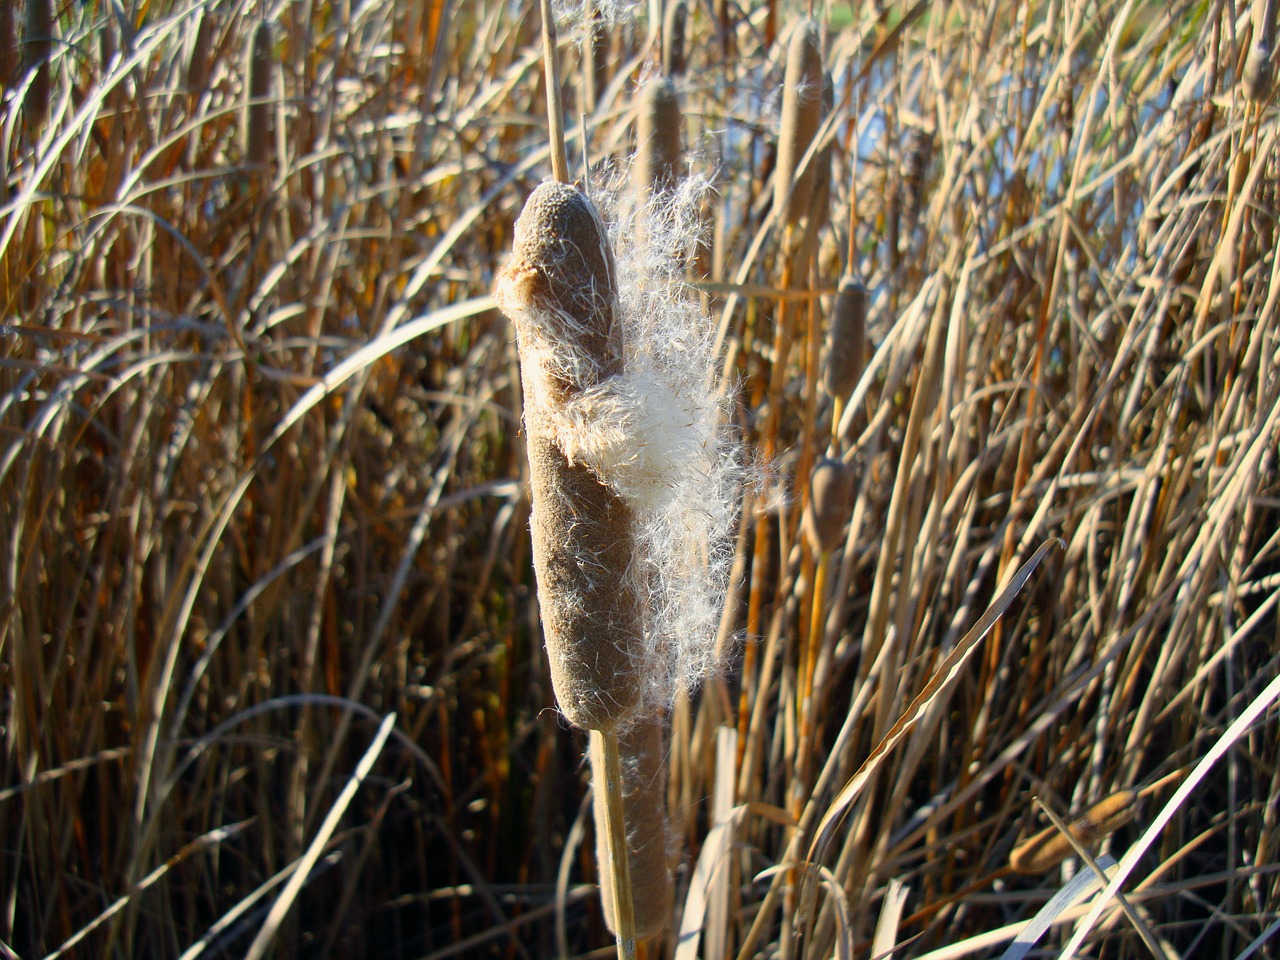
(555, 109)
(606, 744)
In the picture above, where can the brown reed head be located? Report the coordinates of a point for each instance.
(37, 45)
(257, 130)
(1048, 848)
(658, 153)
(846, 339)
(801, 117)
(559, 291)
(673, 38)
(1259, 67)
(830, 504)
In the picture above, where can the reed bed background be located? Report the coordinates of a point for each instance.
(272, 673)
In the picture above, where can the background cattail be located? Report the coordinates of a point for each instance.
(257, 119)
(830, 504)
(644, 784)
(1048, 848)
(37, 43)
(658, 154)
(1259, 68)
(801, 117)
(673, 38)
(846, 339)
(198, 61)
(8, 49)
(560, 292)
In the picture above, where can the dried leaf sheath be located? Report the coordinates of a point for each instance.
(559, 292)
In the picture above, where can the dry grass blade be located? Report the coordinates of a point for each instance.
(942, 676)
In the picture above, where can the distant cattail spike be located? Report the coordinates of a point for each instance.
(820, 207)
(644, 776)
(830, 504)
(801, 117)
(37, 45)
(674, 24)
(847, 339)
(198, 62)
(8, 48)
(658, 152)
(1048, 848)
(1259, 68)
(560, 293)
(257, 142)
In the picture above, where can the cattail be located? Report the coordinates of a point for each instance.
(198, 62)
(8, 50)
(1048, 848)
(820, 208)
(257, 136)
(560, 292)
(673, 38)
(36, 47)
(644, 785)
(830, 504)
(1259, 68)
(658, 154)
(847, 339)
(801, 117)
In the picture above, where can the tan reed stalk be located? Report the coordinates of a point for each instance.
(257, 108)
(643, 767)
(37, 45)
(801, 117)
(674, 25)
(1259, 68)
(658, 150)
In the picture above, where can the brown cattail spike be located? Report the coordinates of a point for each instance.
(37, 45)
(830, 504)
(1048, 848)
(198, 62)
(673, 37)
(644, 778)
(1259, 68)
(801, 117)
(559, 291)
(658, 154)
(8, 48)
(257, 142)
(847, 340)
(820, 208)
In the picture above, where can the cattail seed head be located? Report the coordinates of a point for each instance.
(847, 339)
(673, 38)
(560, 292)
(801, 117)
(1259, 68)
(198, 62)
(8, 49)
(37, 45)
(658, 121)
(1048, 848)
(830, 504)
(644, 784)
(257, 137)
